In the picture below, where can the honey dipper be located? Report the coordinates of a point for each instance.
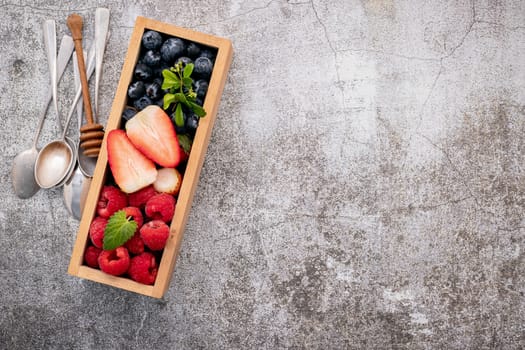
(91, 134)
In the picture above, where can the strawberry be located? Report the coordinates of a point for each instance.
(168, 181)
(152, 133)
(130, 168)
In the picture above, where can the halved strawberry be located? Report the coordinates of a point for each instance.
(168, 181)
(153, 134)
(130, 168)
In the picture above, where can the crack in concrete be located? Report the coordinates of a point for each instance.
(338, 82)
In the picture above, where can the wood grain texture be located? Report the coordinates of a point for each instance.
(194, 166)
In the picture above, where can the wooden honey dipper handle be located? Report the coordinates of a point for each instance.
(75, 23)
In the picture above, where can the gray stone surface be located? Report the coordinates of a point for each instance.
(364, 187)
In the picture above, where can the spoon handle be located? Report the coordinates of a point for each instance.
(50, 44)
(64, 54)
(101, 33)
(74, 22)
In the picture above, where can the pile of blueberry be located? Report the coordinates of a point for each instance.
(159, 52)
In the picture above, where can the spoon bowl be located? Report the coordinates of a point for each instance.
(23, 173)
(53, 163)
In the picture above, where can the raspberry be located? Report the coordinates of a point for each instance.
(143, 268)
(91, 256)
(135, 244)
(110, 200)
(136, 214)
(155, 234)
(115, 262)
(161, 207)
(138, 199)
(96, 231)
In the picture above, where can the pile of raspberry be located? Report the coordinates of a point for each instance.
(137, 258)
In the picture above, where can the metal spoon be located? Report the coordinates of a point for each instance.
(77, 186)
(23, 171)
(87, 164)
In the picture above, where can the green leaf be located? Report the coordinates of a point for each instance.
(197, 109)
(179, 97)
(170, 79)
(168, 100)
(118, 230)
(179, 118)
(184, 142)
(187, 82)
(188, 70)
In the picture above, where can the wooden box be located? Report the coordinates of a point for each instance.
(193, 168)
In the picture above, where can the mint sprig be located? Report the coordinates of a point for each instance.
(178, 82)
(119, 230)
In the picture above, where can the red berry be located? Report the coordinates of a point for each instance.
(136, 214)
(115, 262)
(138, 199)
(161, 207)
(111, 200)
(135, 244)
(155, 234)
(143, 268)
(91, 256)
(96, 231)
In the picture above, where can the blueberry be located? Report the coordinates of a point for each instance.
(172, 48)
(154, 91)
(142, 103)
(143, 72)
(203, 67)
(151, 40)
(209, 54)
(136, 89)
(185, 60)
(191, 123)
(201, 87)
(199, 101)
(152, 58)
(193, 50)
(129, 113)
(158, 70)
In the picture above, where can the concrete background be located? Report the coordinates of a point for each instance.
(364, 187)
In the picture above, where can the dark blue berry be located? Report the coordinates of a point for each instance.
(136, 89)
(129, 113)
(151, 40)
(142, 103)
(201, 87)
(152, 58)
(172, 48)
(191, 123)
(203, 67)
(143, 72)
(154, 91)
(199, 101)
(185, 60)
(193, 50)
(208, 54)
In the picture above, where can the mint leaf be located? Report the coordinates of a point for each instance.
(168, 100)
(197, 109)
(118, 230)
(179, 118)
(170, 80)
(184, 142)
(187, 82)
(188, 70)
